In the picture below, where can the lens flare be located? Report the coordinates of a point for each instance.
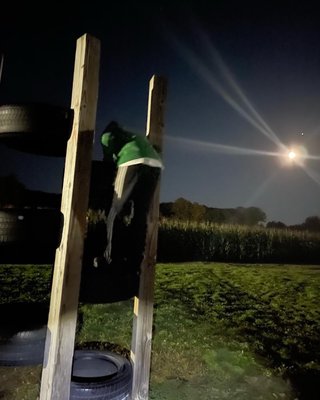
(196, 145)
(231, 92)
(204, 70)
(292, 155)
(297, 155)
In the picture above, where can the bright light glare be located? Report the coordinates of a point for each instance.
(292, 155)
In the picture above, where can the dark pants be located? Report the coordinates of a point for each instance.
(127, 218)
(129, 203)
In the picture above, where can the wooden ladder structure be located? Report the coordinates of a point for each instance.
(62, 320)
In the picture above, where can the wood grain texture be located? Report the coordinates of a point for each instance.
(56, 373)
(143, 303)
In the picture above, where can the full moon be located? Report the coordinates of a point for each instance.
(292, 155)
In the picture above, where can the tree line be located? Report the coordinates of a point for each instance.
(14, 194)
(311, 224)
(185, 210)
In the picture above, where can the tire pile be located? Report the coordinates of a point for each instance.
(29, 235)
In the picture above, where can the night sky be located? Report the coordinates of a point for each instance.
(243, 89)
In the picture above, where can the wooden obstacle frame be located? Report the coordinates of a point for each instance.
(62, 319)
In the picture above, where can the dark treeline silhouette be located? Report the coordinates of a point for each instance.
(182, 209)
(311, 224)
(13, 194)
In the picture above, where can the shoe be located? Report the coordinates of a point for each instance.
(100, 262)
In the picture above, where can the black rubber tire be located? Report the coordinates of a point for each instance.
(103, 286)
(22, 333)
(9, 231)
(36, 128)
(25, 225)
(100, 375)
(29, 234)
(24, 348)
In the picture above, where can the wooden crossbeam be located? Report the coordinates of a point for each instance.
(56, 373)
(143, 303)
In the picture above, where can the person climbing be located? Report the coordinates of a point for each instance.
(137, 167)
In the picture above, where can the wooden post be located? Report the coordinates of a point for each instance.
(143, 303)
(56, 373)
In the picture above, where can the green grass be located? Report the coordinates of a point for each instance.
(25, 283)
(243, 327)
(221, 331)
(273, 308)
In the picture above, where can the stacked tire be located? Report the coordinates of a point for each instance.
(99, 375)
(32, 235)
(29, 235)
(42, 129)
(22, 333)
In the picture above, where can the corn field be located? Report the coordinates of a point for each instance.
(180, 241)
(189, 241)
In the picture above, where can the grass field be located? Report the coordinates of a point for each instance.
(221, 331)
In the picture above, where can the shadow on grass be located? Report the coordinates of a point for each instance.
(306, 384)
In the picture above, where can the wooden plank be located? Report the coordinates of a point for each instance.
(143, 303)
(1, 66)
(56, 373)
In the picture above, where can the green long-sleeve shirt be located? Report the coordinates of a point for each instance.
(130, 150)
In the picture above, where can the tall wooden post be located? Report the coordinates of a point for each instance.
(56, 373)
(143, 303)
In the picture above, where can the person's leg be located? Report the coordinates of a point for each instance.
(124, 184)
(133, 191)
(142, 196)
